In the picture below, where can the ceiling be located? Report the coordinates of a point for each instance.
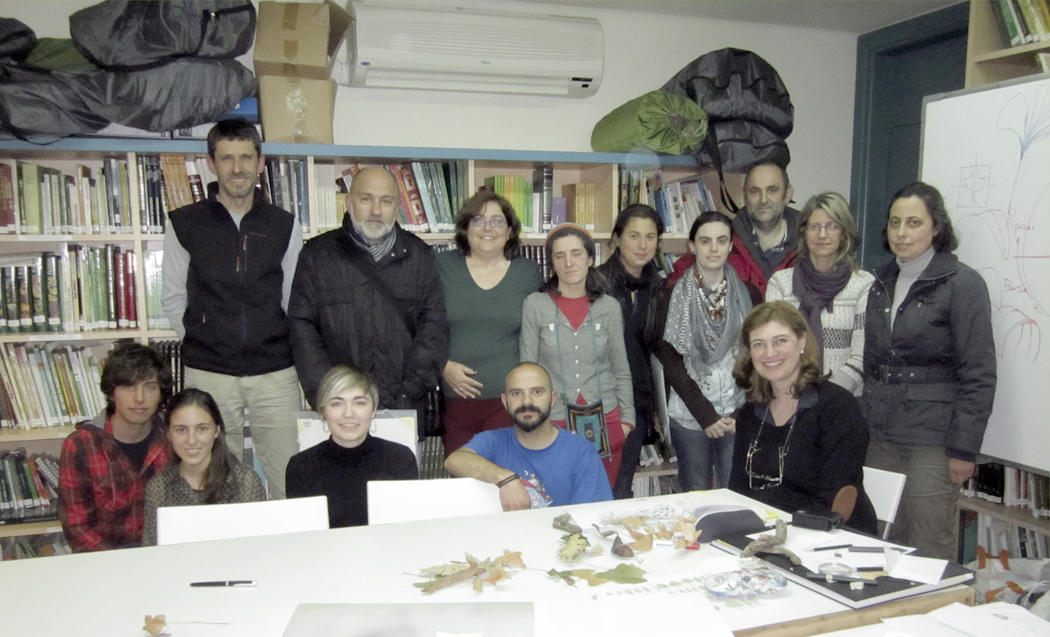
(851, 16)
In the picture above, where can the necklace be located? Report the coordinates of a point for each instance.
(782, 452)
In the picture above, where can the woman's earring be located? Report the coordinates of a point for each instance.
(373, 427)
(324, 425)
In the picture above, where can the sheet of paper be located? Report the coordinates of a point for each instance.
(801, 542)
(917, 569)
(924, 626)
(633, 615)
(1004, 620)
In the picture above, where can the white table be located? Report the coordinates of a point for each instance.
(107, 594)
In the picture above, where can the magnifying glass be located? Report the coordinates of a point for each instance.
(833, 569)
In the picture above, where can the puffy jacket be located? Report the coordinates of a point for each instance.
(932, 380)
(338, 315)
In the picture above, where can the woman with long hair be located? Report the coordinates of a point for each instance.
(204, 472)
(701, 318)
(575, 331)
(341, 466)
(635, 281)
(485, 283)
(829, 287)
(929, 366)
(800, 440)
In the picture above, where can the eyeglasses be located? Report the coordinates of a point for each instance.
(782, 452)
(495, 223)
(830, 228)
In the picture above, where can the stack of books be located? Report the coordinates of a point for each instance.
(48, 385)
(1023, 21)
(28, 487)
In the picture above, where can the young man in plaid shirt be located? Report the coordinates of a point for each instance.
(107, 462)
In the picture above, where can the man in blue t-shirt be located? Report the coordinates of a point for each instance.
(534, 463)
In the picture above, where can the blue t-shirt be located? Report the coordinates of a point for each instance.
(569, 471)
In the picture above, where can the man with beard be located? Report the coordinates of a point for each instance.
(534, 463)
(368, 295)
(228, 267)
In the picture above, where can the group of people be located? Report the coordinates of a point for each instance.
(787, 367)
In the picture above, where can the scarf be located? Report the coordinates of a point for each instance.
(377, 250)
(816, 291)
(699, 330)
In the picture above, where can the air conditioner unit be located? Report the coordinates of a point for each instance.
(453, 49)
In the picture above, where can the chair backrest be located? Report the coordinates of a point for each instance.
(884, 489)
(179, 525)
(406, 500)
(395, 425)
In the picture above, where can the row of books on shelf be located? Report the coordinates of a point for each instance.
(28, 486)
(431, 194)
(1010, 486)
(76, 288)
(48, 385)
(1023, 21)
(24, 547)
(647, 486)
(679, 203)
(995, 535)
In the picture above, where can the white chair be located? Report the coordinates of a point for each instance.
(179, 525)
(395, 425)
(406, 500)
(884, 489)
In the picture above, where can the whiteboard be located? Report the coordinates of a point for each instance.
(988, 152)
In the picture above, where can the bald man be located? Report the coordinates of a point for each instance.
(367, 295)
(534, 463)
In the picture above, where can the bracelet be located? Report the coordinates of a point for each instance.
(505, 481)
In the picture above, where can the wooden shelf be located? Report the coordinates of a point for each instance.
(664, 468)
(30, 528)
(16, 435)
(1016, 51)
(1013, 515)
(47, 337)
(989, 57)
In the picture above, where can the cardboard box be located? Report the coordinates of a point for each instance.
(296, 110)
(299, 39)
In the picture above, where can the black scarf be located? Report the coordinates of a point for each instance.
(817, 290)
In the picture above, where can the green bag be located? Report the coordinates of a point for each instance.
(660, 121)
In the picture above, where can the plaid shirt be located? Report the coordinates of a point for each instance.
(101, 495)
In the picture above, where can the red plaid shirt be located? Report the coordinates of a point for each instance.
(101, 495)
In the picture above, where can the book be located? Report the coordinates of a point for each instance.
(888, 588)
(29, 189)
(9, 200)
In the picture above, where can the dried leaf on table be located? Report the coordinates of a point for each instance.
(596, 550)
(623, 574)
(510, 558)
(574, 546)
(566, 576)
(635, 533)
(602, 533)
(644, 544)
(633, 520)
(155, 624)
(444, 570)
(481, 571)
(588, 575)
(619, 549)
(564, 522)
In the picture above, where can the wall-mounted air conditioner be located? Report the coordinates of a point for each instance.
(452, 49)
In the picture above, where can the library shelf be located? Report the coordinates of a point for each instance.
(18, 529)
(1012, 515)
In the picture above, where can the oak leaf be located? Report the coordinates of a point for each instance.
(575, 545)
(510, 558)
(155, 625)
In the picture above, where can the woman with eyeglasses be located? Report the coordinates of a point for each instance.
(829, 287)
(485, 284)
(800, 440)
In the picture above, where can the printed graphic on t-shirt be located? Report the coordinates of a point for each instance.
(538, 496)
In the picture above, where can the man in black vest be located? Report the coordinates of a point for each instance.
(368, 295)
(228, 267)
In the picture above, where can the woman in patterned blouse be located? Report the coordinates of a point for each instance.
(204, 472)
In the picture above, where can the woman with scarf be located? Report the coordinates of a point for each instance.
(635, 281)
(702, 316)
(828, 287)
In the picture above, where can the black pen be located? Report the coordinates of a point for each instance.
(832, 547)
(841, 578)
(231, 582)
(868, 549)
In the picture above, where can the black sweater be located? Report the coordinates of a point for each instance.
(342, 475)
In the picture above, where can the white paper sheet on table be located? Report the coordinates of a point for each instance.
(802, 541)
(1000, 620)
(914, 568)
(633, 615)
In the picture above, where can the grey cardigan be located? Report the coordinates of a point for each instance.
(539, 344)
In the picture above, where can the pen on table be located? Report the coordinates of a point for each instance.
(832, 547)
(871, 549)
(841, 578)
(231, 582)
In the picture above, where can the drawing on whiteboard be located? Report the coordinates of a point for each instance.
(1017, 234)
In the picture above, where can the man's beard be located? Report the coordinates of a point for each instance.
(368, 230)
(529, 427)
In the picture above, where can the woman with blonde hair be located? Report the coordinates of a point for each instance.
(828, 287)
(800, 440)
(341, 466)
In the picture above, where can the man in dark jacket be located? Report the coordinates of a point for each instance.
(765, 232)
(368, 295)
(228, 266)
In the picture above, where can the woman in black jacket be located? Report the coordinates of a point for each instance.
(929, 365)
(634, 280)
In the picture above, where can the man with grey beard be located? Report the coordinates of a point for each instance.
(534, 463)
(367, 295)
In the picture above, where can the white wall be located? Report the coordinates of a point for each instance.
(642, 51)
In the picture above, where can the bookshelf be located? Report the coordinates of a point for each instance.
(600, 169)
(1010, 514)
(989, 58)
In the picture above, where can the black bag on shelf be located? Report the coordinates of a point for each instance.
(748, 107)
(35, 103)
(16, 39)
(127, 34)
